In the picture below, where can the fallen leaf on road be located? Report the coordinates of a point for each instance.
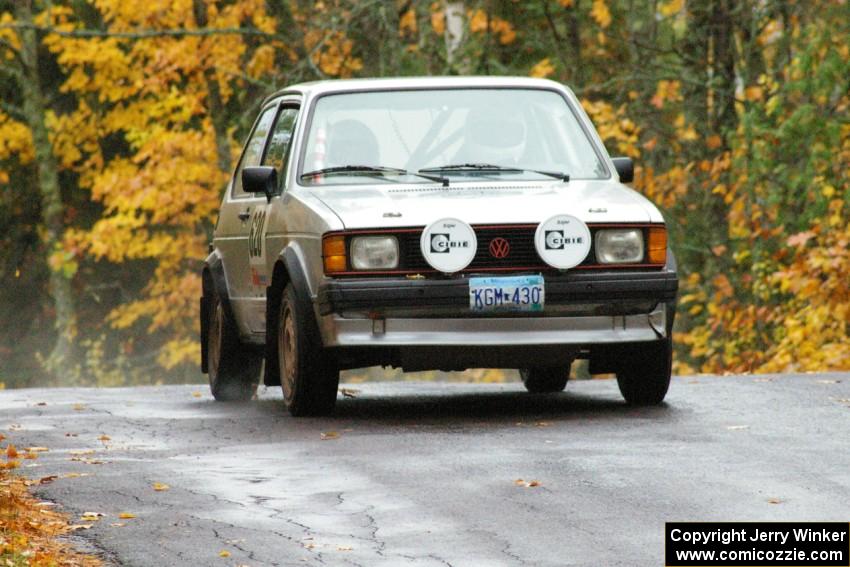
(126, 516)
(118, 524)
(104, 438)
(91, 516)
(11, 452)
(70, 435)
(79, 407)
(196, 394)
(2, 437)
(542, 424)
(737, 427)
(159, 487)
(80, 453)
(829, 381)
(774, 501)
(47, 479)
(76, 527)
(75, 475)
(36, 449)
(344, 548)
(9, 465)
(763, 380)
(224, 553)
(348, 392)
(41, 404)
(31, 456)
(527, 483)
(87, 461)
(328, 435)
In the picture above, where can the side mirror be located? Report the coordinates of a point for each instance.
(625, 167)
(260, 179)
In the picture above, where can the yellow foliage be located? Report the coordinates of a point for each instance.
(542, 69)
(407, 23)
(15, 140)
(614, 126)
(438, 18)
(670, 8)
(600, 13)
(481, 22)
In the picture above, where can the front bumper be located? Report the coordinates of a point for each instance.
(582, 308)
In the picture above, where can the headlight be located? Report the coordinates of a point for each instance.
(374, 252)
(621, 246)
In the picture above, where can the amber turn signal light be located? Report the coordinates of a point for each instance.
(333, 254)
(656, 251)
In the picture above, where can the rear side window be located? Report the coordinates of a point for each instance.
(277, 154)
(254, 149)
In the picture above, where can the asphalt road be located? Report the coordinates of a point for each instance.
(426, 474)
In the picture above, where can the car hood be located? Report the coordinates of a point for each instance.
(370, 206)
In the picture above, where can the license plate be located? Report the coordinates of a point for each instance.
(516, 293)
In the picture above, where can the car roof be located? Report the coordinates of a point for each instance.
(315, 88)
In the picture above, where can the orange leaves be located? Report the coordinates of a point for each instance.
(28, 529)
(481, 22)
(614, 126)
(542, 69)
(407, 24)
(670, 7)
(333, 53)
(666, 91)
(800, 239)
(438, 18)
(15, 140)
(600, 13)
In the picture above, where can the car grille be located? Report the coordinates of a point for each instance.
(522, 254)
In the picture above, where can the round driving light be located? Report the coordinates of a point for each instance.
(448, 245)
(562, 241)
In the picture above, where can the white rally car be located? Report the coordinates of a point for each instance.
(433, 223)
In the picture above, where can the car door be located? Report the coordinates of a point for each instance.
(234, 225)
(263, 221)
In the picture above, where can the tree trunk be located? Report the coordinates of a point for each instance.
(215, 106)
(52, 207)
(454, 13)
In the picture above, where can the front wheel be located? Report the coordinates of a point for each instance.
(545, 380)
(308, 375)
(233, 371)
(644, 373)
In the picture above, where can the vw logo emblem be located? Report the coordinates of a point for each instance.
(499, 248)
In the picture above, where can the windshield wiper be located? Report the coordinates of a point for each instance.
(492, 167)
(371, 170)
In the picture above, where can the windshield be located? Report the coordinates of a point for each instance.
(517, 130)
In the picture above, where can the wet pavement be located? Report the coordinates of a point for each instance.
(433, 474)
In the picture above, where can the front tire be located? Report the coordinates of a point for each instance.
(233, 371)
(645, 370)
(308, 375)
(545, 380)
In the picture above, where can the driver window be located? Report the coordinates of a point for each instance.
(277, 154)
(254, 149)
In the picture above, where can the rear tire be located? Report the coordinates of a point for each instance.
(545, 380)
(644, 373)
(233, 371)
(308, 374)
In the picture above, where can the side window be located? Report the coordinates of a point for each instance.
(277, 153)
(254, 149)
